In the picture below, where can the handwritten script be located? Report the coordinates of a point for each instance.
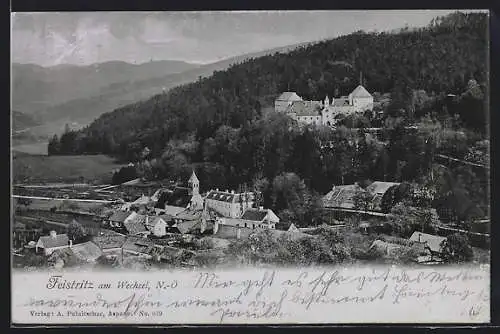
(319, 295)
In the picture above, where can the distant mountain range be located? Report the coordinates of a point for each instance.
(22, 121)
(36, 88)
(68, 93)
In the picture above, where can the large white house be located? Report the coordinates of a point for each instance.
(327, 112)
(229, 203)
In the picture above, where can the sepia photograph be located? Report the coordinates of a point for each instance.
(250, 167)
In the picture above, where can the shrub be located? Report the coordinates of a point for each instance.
(456, 249)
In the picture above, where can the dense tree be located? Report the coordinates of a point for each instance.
(456, 248)
(124, 174)
(76, 232)
(362, 200)
(405, 219)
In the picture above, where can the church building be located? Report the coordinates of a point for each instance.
(327, 112)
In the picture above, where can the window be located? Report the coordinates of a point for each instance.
(245, 224)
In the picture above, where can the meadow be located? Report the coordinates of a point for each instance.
(41, 169)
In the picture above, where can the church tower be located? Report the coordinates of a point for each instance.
(194, 183)
(327, 101)
(196, 199)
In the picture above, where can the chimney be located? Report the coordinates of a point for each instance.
(53, 234)
(261, 208)
(217, 189)
(232, 192)
(70, 243)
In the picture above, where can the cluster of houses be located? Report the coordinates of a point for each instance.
(140, 226)
(184, 210)
(327, 112)
(151, 226)
(428, 247)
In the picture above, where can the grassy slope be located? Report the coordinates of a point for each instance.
(39, 169)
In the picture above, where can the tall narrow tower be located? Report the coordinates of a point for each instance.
(194, 183)
(361, 78)
(327, 101)
(196, 199)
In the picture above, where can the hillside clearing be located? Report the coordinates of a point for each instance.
(77, 168)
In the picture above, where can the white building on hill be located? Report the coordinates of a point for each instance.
(327, 112)
(285, 100)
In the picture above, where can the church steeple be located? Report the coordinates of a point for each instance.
(194, 183)
(327, 101)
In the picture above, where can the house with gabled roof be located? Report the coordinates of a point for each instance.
(118, 218)
(431, 243)
(289, 227)
(158, 225)
(52, 242)
(109, 241)
(86, 251)
(284, 101)
(342, 196)
(136, 225)
(138, 246)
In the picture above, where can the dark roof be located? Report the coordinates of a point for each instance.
(109, 241)
(188, 226)
(283, 226)
(341, 196)
(138, 244)
(120, 216)
(227, 196)
(221, 196)
(58, 241)
(341, 101)
(254, 214)
(178, 196)
(189, 215)
(305, 108)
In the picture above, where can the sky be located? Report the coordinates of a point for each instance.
(83, 38)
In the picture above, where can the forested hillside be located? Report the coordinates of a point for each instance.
(436, 77)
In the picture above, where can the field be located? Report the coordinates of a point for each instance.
(37, 148)
(42, 169)
(46, 205)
